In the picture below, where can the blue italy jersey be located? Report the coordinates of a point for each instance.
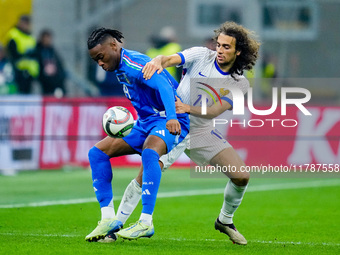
(153, 97)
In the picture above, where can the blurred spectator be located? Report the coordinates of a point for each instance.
(7, 85)
(210, 43)
(268, 73)
(52, 74)
(20, 47)
(165, 44)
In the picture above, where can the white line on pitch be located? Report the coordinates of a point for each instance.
(37, 235)
(257, 241)
(184, 193)
(185, 239)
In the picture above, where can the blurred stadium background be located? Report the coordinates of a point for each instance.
(299, 48)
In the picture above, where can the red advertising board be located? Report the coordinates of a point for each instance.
(284, 140)
(71, 127)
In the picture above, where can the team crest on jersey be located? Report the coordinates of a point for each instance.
(224, 92)
(122, 78)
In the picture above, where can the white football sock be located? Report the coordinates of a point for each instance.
(146, 218)
(108, 212)
(233, 195)
(130, 199)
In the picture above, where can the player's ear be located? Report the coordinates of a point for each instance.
(113, 44)
(238, 53)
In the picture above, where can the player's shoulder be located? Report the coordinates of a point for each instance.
(199, 55)
(134, 60)
(239, 80)
(199, 50)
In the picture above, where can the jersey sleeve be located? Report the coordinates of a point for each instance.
(161, 83)
(190, 55)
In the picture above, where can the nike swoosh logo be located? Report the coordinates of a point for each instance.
(202, 74)
(124, 213)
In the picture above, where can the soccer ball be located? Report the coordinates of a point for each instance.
(117, 122)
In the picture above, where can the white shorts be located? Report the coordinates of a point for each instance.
(200, 147)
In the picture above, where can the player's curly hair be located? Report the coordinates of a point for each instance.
(99, 35)
(245, 43)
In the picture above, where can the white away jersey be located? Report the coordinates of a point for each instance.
(203, 79)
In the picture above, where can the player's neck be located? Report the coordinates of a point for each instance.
(225, 67)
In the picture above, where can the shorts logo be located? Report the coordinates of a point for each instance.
(146, 192)
(161, 132)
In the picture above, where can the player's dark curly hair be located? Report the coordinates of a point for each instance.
(245, 43)
(99, 35)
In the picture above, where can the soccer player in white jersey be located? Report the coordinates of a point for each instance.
(236, 51)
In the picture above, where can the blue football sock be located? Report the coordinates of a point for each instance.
(151, 180)
(101, 176)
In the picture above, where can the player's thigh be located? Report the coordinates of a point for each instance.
(159, 138)
(206, 145)
(229, 157)
(114, 147)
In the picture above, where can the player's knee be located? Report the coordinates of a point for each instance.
(161, 165)
(92, 153)
(241, 180)
(149, 155)
(96, 155)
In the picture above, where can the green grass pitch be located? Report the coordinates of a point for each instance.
(51, 212)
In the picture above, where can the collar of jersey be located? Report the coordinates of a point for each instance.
(121, 58)
(219, 69)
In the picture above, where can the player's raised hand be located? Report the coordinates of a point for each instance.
(151, 67)
(173, 126)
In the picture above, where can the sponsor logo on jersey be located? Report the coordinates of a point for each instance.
(200, 73)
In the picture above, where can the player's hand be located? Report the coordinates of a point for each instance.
(151, 67)
(181, 107)
(173, 126)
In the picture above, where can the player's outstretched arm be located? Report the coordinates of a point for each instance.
(162, 85)
(159, 63)
(212, 111)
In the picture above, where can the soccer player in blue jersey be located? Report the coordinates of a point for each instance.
(157, 130)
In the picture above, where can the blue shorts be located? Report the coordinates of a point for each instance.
(155, 125)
